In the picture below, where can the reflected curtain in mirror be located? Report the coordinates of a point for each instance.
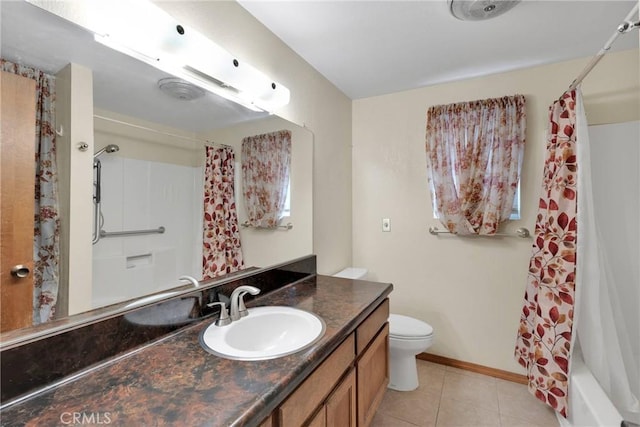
(266, 165)
(46, 251)
(474, 154)
(222, 251)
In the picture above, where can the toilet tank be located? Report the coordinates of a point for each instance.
(352, 273)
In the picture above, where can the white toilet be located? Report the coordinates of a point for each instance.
(407, 338)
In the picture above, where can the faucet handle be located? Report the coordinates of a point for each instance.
(224, 318)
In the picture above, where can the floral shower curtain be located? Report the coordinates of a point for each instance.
(544, 341)
(46, 248)
(222, 252)
(266, 162)
(474, 155)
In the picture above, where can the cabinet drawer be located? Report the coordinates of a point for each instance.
(371, 325)
(313, 391)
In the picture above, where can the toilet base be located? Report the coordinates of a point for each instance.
(403, 372)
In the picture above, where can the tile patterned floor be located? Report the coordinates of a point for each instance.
(451, 397)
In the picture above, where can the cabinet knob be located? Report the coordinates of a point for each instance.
(20, 271)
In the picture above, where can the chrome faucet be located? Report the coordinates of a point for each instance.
(238, 308)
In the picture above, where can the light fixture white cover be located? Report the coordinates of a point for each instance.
(142, 30)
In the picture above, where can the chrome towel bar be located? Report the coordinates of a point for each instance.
(520, 232)
(288, 226)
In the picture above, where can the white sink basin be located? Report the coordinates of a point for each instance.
(266, 333)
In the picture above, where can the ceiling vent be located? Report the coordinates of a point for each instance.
(479, 10)
(180, 89)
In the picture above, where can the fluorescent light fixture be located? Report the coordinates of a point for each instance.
(204, 81)
(140, 29)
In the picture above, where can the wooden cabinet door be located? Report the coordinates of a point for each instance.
(313, 392)
(319, 419)
(17, 186)
(268, 422)
(341, 404)
(373, 376)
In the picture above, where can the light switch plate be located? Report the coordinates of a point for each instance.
(386, 224)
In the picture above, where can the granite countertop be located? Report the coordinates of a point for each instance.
(174, 381)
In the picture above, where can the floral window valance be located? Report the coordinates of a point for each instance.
(474, 155)
(266, 164)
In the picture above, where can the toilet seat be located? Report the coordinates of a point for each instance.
(408, 328)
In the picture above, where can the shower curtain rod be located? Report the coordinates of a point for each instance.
(174, 135)
(627, 25)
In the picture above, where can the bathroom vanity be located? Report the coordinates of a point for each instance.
(172, 380)
(346, 389)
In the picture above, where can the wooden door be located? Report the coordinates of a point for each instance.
(341, 405)
(17, 176)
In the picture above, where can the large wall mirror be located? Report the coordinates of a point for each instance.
(146, 232)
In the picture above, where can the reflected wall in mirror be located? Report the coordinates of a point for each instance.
(151, 169)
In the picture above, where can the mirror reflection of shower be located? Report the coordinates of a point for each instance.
(111, 148)
(98, 219)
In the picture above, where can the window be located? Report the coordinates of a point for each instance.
(474, 154)
(515, 210)
(266, 165)
(238, 190)
(287, 201)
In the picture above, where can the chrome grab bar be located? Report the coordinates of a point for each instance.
(158, 230)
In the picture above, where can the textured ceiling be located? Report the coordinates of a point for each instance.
(369, 48)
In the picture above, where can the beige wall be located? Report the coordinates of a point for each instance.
(315, 103)
(469, 289)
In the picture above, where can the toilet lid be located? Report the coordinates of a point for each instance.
(405, 326)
